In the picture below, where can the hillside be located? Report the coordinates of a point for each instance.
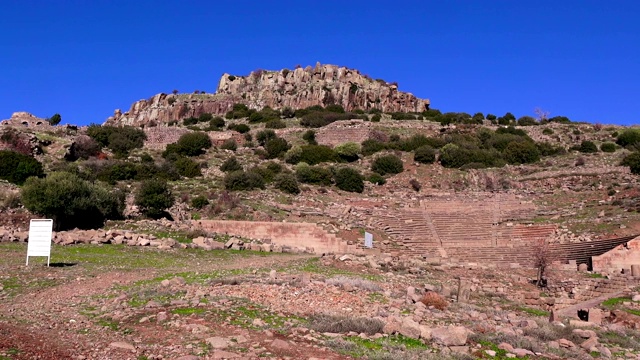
(236, 227)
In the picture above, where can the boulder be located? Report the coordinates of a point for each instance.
(410, 328)
(450, 335)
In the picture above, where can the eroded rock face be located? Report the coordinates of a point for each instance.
(320, 85)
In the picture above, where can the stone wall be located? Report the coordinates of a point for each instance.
(341, 132)
(306, 235)
(622, 257)
(160, 136)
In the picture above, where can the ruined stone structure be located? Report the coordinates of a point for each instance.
(320, 85)
(23, 119)
(623, 258)
(159, 137)
(287, 234)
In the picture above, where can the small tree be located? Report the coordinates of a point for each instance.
(154, 197)
(231, 164)
(193, 144)
(276, 146)
(542, 258)
(633, 162)
(425, 155)
(287, 183)
(588, 147)
(310, 137)
(55, 119)
(16, 167)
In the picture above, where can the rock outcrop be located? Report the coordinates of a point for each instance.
(320, 85)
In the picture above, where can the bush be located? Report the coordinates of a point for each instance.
(313, 174)
(519, 152)
(377, 179)
(293, 155)
(387, 164)
(431, 298)
(241, 128)
(349, 179)
(154, 197)
(371, 146)
(425, 155)
(608, 147)
(275, 147)
(547, 131)
(588, 147)
(454, 156)
(83, 147)
(265, 135)
(16, 168)
(193, 144)
(633, 162)
(316, 154)
(241, 180)
(287, 183)
(629, 137)
(348, 151)
(376, 118)
(229, 144)
(217, 122)
(71, 202)
(527, 121)
(199, 202)
(231, 164)
(275, 124)
(187, 167)
(547, 149)
(121, 140)
(310, 137)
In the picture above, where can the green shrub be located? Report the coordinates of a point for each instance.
(521, 152)
(547, 131)
(377, 179)
(310, 137)
(241, 180)
(629, 137)
(71, 202)
(265, 173)
(512, 130)
(154, 197)
(187, 167)
(265, 135)
(231, 164)
(425, 155)
(376, 118)
(229, 144)
(348, 151)
(527, 121)
(83, 147)
(241, 128)
(193, 144)
(588, 147)
(349, 179)
(454, 156)
(608, 147)
(275, 147)
(313, 174)
(633, 162)
(55, 119)
(547, 149)
(293, 155)
(16, 168)
(217, 122)
(287, 183)
(121, 140)
(316, 154)
(114, 171)
(387, 164)
(371, 146)
(275, 124)
(199, 202)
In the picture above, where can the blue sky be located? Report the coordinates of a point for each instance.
(83, 59)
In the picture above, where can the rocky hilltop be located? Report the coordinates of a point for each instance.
(320, 85)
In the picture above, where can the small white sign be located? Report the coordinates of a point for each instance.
(40, 231)
(368, 240)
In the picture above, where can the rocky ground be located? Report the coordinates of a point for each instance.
(118, 302)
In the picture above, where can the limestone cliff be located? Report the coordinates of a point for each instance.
(299, 88)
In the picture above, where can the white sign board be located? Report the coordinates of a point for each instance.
(40, 231)
(368, 240)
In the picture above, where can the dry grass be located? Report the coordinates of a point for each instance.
(433, 299)
(9, 199)
(343, 324)
(346, 282)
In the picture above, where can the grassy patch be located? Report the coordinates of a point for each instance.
(392, 347)
(187, 311)
(613, 302)
(532, 311)
(596, 276)
(313, 265)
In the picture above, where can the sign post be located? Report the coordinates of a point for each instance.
(368, 240)
(40, 231)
